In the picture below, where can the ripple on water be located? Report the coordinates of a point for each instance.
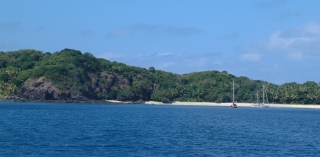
(140, 130)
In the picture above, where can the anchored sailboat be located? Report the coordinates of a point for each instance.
(234, 105)
(261, 105)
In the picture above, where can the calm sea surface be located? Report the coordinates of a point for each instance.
(44, 129)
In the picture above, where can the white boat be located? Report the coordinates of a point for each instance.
(234, 104)
(263, 104)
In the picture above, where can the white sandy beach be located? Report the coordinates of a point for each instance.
(219, 104)
(229, 104)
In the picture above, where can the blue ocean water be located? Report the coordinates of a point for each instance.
(50, 129)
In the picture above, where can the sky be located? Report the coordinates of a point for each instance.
(277, 41)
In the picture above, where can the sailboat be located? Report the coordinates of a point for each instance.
(234, 105)
(261, 105)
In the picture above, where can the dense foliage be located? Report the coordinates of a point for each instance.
(96, 78)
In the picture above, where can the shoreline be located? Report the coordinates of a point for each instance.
(177, 103)
(229, 104)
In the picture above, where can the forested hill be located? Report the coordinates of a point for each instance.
(70, 75)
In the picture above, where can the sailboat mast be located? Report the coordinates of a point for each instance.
(257, 97)
(262, 94)
(232, 91)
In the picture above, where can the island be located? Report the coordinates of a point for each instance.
(72, 76)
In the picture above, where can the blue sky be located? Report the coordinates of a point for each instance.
(271, 40)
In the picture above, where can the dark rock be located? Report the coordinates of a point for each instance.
(41, 90)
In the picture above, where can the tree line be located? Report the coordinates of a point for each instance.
(96, 78)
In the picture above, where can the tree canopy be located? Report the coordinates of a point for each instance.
(96, 78)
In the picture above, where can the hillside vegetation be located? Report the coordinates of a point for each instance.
(73, 75)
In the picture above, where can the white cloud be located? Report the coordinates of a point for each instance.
(284, 56)
(278, 41)
(299, 43)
